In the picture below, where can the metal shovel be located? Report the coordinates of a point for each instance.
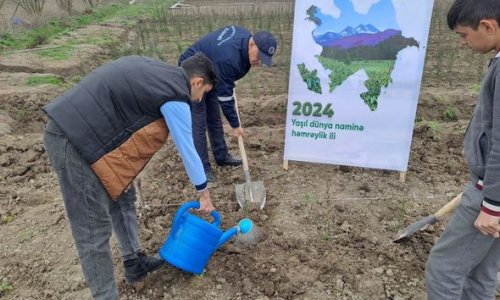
(424, 222)
(250, 192)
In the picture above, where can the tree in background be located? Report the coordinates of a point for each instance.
(66, 5)
(31, 7)
(92, 3)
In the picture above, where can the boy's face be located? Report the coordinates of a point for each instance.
(199, 88)
(482, 40)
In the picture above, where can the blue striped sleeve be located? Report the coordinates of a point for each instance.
(178, 118)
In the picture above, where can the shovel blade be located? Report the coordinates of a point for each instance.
(251, 193)
(419, 225)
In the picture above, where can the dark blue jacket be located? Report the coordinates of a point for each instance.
(227, 48)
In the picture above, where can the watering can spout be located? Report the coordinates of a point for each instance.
(227, 235)
(244, 227)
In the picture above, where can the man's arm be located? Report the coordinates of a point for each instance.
(224, 91)
(178, 118)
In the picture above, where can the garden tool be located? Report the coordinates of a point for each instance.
(431, 219)
(192, 241)
(250, 192)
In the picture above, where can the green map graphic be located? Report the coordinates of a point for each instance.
(350, 48)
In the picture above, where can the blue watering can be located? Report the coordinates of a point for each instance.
(192, 240)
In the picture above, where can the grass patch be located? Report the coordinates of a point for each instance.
(436, 128)
(475, 87)
(26, 235)
(39, 80)
(24, 114)
(60, 53)
(27, 39)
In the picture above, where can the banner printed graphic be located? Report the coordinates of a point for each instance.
(355, 76)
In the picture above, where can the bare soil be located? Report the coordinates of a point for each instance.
(326, 230)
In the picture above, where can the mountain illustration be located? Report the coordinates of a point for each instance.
(381, 46)
(327, 38)
(362, 39)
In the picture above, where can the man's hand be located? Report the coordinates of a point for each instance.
(237, 132)
(205, 202)
(488, 224)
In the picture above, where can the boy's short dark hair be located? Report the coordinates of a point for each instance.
(200, 65)
(471, 12)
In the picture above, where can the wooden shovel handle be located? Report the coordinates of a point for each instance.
(243, 153)
(240, 138)
(449, 207)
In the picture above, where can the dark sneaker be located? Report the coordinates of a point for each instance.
(230, 161)
(211, 177)
(137, 268)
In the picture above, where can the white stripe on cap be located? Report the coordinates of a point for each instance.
(491, 207)
(224, 99)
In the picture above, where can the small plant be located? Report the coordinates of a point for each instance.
(450, 114)
(6, 219)
(440, 99)
(310, 198)
(436, 128)
(5, 287)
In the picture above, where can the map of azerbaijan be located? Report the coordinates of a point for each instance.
(348, 48)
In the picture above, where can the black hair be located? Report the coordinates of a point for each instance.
(471, 12)
(200, 65)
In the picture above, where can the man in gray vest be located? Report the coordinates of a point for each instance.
(100, 135)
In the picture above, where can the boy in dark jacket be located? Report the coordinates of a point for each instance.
(464, 262)
(233, 50)
(100, 135)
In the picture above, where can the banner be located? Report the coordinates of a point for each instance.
(355, 76)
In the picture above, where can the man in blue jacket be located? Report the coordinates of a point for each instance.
(233, 50)
(100, 135)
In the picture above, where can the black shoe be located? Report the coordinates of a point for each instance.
(137, 268)
(230, 161)
(211, 177)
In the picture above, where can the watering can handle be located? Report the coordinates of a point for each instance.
(195, 204)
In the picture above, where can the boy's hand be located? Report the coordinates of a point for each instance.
(488, 224)
(206, 205)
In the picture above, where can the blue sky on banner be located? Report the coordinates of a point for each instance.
(404, 16)
(342, 13)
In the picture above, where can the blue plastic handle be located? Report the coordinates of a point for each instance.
(195, 204)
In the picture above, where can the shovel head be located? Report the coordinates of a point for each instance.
(251, 193)
(421, 224)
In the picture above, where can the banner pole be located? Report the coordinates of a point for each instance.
(402, 176)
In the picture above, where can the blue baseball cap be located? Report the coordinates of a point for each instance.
(266, 43)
